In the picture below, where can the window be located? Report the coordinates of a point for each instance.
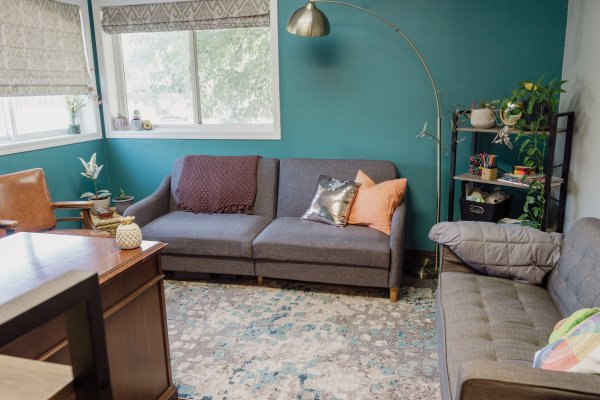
(38, 114)
(26, 118)
(205, 77)
(156, 69)
(3, 125)
(234, 76)
(33, 105)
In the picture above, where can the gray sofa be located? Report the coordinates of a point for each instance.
(275, 242)
(206, 243)
(490, 328)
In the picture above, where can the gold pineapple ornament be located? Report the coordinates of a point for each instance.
(129, 235)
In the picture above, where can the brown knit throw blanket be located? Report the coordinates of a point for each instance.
(214, 184)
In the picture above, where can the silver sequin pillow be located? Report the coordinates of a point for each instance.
(332, 201)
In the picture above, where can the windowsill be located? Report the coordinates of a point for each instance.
(12, 147)
(211, 132)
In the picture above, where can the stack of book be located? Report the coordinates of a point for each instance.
(524, 180)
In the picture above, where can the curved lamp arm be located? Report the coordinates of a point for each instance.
(410, 42)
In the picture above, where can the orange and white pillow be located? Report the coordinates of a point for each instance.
(374, 204)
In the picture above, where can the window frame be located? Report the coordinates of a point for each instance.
(115, 97)
(18, 143)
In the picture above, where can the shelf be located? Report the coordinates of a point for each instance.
(551, 131)
(476, 178)
(495, 130)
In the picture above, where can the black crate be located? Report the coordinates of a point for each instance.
(484, 212)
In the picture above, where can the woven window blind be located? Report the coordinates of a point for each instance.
(41, 49)
(186, 15)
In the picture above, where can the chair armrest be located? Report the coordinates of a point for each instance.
(495, 381)
(451, 263)
(153, 206)
(84, 205)
(397, 245)
(73, 204)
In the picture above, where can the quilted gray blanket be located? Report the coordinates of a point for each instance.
(505, 251)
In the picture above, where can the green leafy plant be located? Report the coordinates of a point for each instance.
(75, 104)
(122, 195)
(484, 104)
(92, 171)
(533, 104)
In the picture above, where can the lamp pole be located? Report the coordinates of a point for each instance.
(438, 137)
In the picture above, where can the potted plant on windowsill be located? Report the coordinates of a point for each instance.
(101, 198)
(136, 121)
(122, 201)
(74, 105)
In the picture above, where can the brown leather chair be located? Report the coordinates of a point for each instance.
(25, 206)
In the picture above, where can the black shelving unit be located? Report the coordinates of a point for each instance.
(551, 180)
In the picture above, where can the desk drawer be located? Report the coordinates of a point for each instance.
(129, 281)
(36, 343)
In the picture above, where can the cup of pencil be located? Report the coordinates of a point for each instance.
(489, 170)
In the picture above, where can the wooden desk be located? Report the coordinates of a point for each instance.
(28, 379)
(131, 285)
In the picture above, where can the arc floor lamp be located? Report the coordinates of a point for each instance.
(309, 21)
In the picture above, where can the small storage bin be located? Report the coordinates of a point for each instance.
(484, 212)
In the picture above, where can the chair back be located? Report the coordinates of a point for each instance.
(24, 197)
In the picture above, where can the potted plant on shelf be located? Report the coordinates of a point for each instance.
(101, 198)
(122, 201)
(136, 121)
(74, 105)
(482, 115)
(530, 107)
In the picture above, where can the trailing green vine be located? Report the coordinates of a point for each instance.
(534, 103)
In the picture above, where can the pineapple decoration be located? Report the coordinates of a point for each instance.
(129, 235)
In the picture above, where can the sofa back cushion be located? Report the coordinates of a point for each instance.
(573, 284)
(298, 179)
(265, 204)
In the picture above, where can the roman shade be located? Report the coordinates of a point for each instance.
(41, 49)
(186, 15)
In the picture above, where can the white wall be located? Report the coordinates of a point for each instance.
(582, 69)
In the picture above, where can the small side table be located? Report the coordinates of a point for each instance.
(109, 225)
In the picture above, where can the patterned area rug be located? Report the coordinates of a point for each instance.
(288, 340)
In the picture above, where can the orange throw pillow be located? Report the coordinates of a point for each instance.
(374, 205)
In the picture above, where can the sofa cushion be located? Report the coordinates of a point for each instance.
(297, 177)
(491, 319)
(292, 239)
(573, 284)
(332, 201)
(502, 250)
(224, 235)
(375, 204)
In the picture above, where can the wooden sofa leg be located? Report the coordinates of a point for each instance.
(260, 280)
(394, 294)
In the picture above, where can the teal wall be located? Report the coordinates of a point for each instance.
(360, 93)
(61, 167)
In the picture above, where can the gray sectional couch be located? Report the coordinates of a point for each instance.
(490, 328)
(275, 242)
